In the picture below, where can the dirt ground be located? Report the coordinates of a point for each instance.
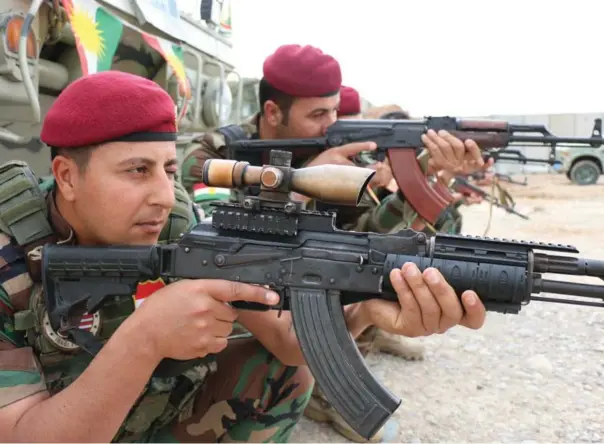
(533, 377)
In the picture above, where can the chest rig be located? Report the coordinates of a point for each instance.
(24, 218)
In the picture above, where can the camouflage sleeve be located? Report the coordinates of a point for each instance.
(20, 373)
(393, 212)
(208, 146)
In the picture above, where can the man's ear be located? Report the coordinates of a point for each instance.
(272, 113)
(66, 174)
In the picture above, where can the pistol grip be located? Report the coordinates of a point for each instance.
(336, 363)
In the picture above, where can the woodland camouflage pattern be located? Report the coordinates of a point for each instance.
(245, 394)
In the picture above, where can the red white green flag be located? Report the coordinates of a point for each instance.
(97, 34)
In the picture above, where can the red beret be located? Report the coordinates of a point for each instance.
(303, 71)
(109, 106)
(350, 101)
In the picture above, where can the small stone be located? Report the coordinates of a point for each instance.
(541, 364)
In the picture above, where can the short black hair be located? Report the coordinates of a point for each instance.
(267, 92)
(80, 155)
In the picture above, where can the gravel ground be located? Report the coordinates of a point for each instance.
(533, 377)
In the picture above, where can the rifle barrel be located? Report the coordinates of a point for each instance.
(550, 139)
(574, 288)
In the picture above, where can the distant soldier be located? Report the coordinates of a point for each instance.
(300, 97)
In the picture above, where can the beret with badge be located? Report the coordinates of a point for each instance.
(303, 71)
(110, 106)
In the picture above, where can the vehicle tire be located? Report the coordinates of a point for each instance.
(568, 175)
(585, 172)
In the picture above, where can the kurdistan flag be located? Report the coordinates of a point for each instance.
(202, 192)
(173, 55)
(97, 34)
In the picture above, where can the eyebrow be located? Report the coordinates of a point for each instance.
(146, 161)
(324, 110)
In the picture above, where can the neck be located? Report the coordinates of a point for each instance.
(67, 212)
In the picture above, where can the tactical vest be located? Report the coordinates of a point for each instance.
(24, 218)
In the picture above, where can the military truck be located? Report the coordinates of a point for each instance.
(47, 44)
(582, 165)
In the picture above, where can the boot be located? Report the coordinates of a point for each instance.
(375, 339)
(320, 410)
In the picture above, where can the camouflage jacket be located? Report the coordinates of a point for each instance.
(33, 358)
(393, 212)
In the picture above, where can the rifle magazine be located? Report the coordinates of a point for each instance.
(336, 363)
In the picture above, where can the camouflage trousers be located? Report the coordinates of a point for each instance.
(252, 397)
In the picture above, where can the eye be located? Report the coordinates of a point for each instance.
(171, 172)
(139, 170)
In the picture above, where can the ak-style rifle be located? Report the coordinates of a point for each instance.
(463, 186)
(271, 240)
(398, 139)
(507, 178)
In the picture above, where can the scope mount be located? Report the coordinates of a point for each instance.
(272, 211)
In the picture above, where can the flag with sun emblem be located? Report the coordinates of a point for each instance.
(97, 34)
(173, 55)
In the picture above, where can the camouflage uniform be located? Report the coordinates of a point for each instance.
(392, 213)
(243, 393)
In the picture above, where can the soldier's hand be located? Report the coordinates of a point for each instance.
(427, 305)
(190, 318)
(383, 174)
(457, 197)
(342, 155)
(449, 153)
(473, 198)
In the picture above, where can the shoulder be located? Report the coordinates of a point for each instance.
(20, 373)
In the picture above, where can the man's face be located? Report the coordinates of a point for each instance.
(125, 194)
(309, 117)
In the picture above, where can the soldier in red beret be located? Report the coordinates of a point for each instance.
(112, 137)
(299, 96)
(350, 103)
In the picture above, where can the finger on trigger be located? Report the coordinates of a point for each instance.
(353, 149)
(230, 291)
(223, 311)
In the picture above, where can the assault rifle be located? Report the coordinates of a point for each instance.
(505, 155)
(271, 240)
(398, 139)
(463, 186)
(500, 177)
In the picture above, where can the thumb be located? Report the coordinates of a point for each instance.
(230, 291)
(352, 149)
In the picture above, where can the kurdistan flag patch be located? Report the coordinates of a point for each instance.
(202, 192)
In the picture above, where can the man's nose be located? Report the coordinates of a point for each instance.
(162, 192)
(330, 119)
